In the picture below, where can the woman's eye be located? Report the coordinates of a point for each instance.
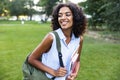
(59, 15)
(68, 14)
(65, 14)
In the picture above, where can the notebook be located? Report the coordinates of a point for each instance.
(74, 60)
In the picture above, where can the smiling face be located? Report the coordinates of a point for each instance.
(65, 18)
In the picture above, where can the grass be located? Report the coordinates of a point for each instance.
(100, 60)
(17, 41)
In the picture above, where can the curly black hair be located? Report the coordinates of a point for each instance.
(79, 19)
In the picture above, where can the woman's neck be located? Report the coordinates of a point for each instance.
(68, 34)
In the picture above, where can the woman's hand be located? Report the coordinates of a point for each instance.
(72, 76)
(60, 72)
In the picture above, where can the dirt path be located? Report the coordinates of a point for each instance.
(96, 35)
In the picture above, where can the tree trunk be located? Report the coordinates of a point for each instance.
(30, 17)
(17, 17)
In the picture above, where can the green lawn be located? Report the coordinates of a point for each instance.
(100, 60)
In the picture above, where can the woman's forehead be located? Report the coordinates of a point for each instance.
(64, 9)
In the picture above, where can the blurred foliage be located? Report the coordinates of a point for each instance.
(103, 12)
(16, 8)
(25, 7)
(48, 6)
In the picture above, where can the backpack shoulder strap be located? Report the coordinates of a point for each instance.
(58, 45)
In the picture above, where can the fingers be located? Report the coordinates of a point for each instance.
(61, 72)
(71, 76)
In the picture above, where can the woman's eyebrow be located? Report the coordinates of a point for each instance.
(64, 12)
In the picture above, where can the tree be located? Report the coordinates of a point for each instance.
(21, 7)
(29, 8)
(17, 7)
(112, 14)
(48, 6)
(92, 7)
(103, 12)
(4, 7)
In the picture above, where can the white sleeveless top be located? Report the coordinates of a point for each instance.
(51, 58)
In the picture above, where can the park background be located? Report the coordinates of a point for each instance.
(100, 58)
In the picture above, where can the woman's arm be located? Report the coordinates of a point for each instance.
(79, 51)
(43, 47)
(73, 75)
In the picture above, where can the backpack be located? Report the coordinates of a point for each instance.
(32, 73)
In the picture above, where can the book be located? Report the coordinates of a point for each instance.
(74, 60)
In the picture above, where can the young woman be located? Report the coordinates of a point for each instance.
(69, 22)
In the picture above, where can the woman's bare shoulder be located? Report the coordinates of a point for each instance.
(81, 38)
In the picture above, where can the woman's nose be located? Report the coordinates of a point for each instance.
(64, 17)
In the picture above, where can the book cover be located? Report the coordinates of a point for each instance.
(74, 60)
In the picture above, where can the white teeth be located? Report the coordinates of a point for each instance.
(64, 23)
